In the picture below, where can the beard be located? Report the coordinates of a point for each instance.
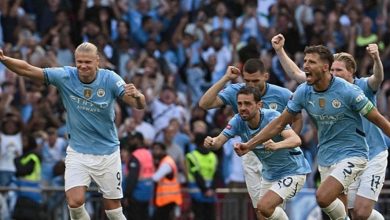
(246, 117)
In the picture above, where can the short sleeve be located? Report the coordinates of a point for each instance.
(232, 128)
(227, 95)
(356, 98)
(54, 76)
(117, 85)
(295, 104)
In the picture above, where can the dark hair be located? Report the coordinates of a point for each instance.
(247, 90)
(161, 145)
(32, 143)
(199, 139)
(254, 65)
(324, 52)
(136, 135)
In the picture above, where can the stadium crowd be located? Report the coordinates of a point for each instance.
(173, 51)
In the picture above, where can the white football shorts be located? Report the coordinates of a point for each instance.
(252, 173)
(286, 188)
(346, 171)
(104, 170)
(370, 183)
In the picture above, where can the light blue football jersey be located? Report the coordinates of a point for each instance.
(90, 108)
(374, 135)
(275, 97)
(276, 164)
(335, 113)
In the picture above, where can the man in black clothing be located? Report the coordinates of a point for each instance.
(138, 183)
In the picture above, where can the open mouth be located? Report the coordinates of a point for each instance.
(308, 75)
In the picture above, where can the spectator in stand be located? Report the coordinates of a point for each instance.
(28, 172)
(139, 185)
(201, 166)
(53, 151)
(11, 146)
(164, 108)
(168, 191)
(175, 151)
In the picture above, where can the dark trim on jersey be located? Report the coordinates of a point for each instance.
(295, 153)
(291, 111)
(330, 85)
(265, 90)
(361, 133)
(88, 83)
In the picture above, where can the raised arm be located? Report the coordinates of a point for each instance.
(21, 67)
(291, 69)
(134, 97)
(215, 143)
(291, 140)
(376, 79)
(210, 99)
(275, 127)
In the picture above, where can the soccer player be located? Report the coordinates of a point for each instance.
(335, 106)
(363, 193)
(273, 97)
(89, 95)
(284, 165)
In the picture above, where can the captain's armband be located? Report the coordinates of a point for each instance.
(367, 108)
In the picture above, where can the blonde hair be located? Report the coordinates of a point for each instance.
(349, 61)
(87, 47)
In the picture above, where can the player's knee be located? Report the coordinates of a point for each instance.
(265, 209)
(361, 213)
(75, 201)
(322, 199)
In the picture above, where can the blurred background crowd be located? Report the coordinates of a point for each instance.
(172, 50)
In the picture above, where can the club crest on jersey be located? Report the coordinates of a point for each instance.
(100, 92)
(273, 106)
(87, 93)
(321, 102)
(336, 103)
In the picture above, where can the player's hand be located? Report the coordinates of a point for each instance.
(208, 142)
(277, 42)
(241, 148)
(232, 73)
(270, 145)
(132, 91)
(2, 56)
(372, 50)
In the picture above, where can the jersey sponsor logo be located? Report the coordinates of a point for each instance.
(273, 106)
(84, 104)
(336, 103)
(322, 102)
(87, 93)
(120, 83)
(327, 119)
(100, 92)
